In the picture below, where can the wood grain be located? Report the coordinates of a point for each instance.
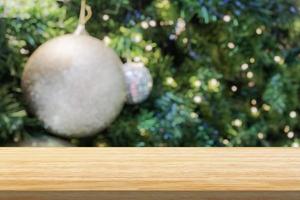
(147, 173)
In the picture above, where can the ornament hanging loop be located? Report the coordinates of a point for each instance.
(85, 15)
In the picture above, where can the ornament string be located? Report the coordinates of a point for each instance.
(85, 13)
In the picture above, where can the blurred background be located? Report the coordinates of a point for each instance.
(225, 72)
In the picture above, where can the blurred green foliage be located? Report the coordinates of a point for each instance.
(226, 72)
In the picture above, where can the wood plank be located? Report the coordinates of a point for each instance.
(144, 173)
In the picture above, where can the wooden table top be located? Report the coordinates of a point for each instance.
(217, 170)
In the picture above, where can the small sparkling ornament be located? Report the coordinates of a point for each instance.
(138, 81)
(43, 141)
(74, 84)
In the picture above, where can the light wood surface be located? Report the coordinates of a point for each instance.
(145, 173)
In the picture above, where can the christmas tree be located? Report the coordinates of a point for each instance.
(225, 73)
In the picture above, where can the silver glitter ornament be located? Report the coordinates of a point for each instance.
(138, 82)
(74, 84)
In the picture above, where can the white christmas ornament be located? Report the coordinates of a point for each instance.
(44, 141)
(74, 84)
(138, 82)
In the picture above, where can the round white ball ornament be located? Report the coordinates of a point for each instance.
(43, 141)
(74, 84)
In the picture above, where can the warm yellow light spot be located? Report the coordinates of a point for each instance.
(148, 47)
(253, 102)
(225, 142)
(171, 82)
(254, 111)
(197, 99)
(293, 114)
(251, 84)
(213, 85)
(185, 40)
(106, 40)
(137, 38)
(197, 83)
(226, 18)
(244, 66)
(105, 17)
(234, 88)
(237, 123)
(260, 136)
(286, 129)
(266, 107)
(231, 45)
(290, 134)
(259, 31)
(194, 115)
(249, 75)
(252, 60)
(152, 23)
(278, 59)
(144, 25)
